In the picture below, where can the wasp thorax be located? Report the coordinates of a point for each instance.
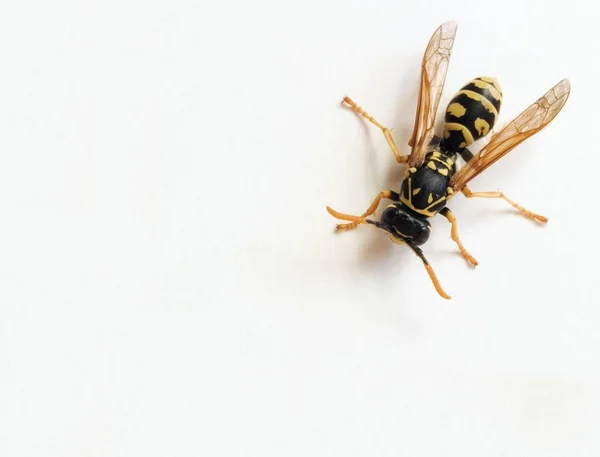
(402, 224)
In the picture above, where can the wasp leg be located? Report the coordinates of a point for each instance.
(355, 220)
(454, 234)
(467, 192)
(386, 132)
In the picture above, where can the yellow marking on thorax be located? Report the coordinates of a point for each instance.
(424, 212)
(416, 191)
(450, 192)
(484, 101)
(447, 162)
(441, 199)
(409, 171)
(456, 109)
(407, 200)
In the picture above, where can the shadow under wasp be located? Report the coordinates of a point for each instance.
(431, 178)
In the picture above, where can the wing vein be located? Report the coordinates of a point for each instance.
(528, 123)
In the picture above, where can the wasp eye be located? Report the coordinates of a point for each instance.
(389, 215)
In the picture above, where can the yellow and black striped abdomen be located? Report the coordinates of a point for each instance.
(472, 113)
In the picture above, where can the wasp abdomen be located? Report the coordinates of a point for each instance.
(472, 113)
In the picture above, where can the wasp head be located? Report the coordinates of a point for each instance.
(403, 226)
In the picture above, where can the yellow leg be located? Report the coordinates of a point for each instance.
(467, 192)
(454, 234)
(386, 132)
(355, 220)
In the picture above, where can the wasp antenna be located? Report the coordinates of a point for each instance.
(345, 217)
(432, 275)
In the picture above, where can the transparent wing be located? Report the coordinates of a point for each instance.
(433, 74)
(528, 123)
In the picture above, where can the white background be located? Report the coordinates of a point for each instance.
(171, 285)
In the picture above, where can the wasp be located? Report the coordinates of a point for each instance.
(432, 178)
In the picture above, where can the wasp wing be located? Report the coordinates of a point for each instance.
(528, 123)
(433, 74)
